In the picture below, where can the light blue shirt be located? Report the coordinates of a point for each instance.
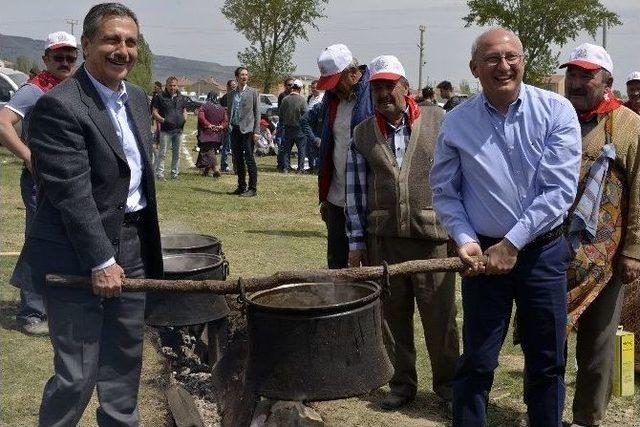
(512, 175)
(115, 102)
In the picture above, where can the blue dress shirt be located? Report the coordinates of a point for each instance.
(510, 175)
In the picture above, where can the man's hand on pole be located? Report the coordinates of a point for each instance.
(107, 282)
(466, 252)
(501, 257)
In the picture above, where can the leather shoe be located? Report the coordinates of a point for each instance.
(249, 193)
(238, 191)
(395, 401)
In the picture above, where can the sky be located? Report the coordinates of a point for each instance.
(195, 29)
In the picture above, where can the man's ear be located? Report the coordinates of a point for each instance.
(472, 66)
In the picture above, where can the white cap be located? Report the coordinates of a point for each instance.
(386, 67)
(590, 57)
(60, 39)
(297, 83)
(331, 62)
(633, 76)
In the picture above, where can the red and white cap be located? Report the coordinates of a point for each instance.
(386, 67)
(331, 62)
(590, 57)
(633, 76)
(60, 39)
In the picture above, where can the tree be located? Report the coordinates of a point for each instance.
(142, 72)
(541, 23)
(465, 87)
(24, 64)
(272, 28)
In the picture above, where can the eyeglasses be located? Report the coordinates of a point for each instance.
(511, 58)
(71, 59)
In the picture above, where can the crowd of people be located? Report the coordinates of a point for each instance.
(537, 193)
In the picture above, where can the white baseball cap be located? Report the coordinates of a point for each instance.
(331, 62)
(60, 39)
(590, 57)
(386, 67)
(633, 76)
(297, 83)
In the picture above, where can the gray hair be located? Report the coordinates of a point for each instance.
(476, 43)
(97, 13)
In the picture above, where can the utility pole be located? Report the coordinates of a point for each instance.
(604, 34)
(73, 23)
(422, 29)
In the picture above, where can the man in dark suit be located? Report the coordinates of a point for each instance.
(96, 216)
(244, 120)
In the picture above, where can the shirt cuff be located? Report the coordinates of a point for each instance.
(518, 236)
(463, 238)
(105, 264)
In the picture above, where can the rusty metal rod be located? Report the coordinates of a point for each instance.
(354, 274)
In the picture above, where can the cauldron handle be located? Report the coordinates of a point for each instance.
(225, 268)
(242, 295)
(385, 282)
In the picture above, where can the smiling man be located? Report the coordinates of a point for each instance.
(390, 218)
(96, 217)
(605, 224)
(504, 177)
(633, 92)
(60, 55)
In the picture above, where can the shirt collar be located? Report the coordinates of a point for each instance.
(514, 106)
(108, 95)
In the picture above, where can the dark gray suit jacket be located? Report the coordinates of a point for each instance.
(83, 176)
(249, 110)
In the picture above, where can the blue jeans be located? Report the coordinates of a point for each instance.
(538, 284)
(293, 135)
(31, 302)
(225, 151)
(167, 138)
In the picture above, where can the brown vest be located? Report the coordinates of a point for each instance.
(399, 198)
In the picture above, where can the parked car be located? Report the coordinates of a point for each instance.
(193, 103)
(10, 81)
(268, 104)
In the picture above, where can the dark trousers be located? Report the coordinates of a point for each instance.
(337, 243)
(225, 150)
(434, 295)
(31, 300)
(242, 150)
(293, 136)
(538, 285)
(97, 342)
(595, 353)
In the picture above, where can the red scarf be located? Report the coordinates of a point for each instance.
(608, 104)
(414, 113)
(44, 80)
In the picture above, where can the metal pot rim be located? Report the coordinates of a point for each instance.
(219, 261)
(339, 307)
(214, 241)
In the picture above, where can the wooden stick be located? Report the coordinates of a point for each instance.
(355, 274)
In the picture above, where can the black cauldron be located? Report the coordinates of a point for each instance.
(186, 243)
(183, 309)
(317, 341)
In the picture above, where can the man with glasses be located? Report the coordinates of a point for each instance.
(505, 174)
(59, 57)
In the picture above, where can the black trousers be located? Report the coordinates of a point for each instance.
(337, 243)
(242, 152)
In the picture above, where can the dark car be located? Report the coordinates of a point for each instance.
(193, 103)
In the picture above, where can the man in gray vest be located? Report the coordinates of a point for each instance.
(390, 218)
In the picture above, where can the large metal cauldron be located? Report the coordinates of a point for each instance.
(317, 341)
(185, 243)
(174, 309)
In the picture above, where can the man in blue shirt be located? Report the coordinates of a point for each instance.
(505, 174)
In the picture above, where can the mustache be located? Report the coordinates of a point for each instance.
(64, 68)
(120, 58)
(577, 92)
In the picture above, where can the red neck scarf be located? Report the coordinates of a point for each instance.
(608, 104)
(414, 113)
(44, 80)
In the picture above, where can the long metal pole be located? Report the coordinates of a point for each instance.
(604, 35)
(422, 29)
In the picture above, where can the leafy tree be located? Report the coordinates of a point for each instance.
(272, 28)
(465, 87)
(24, 64)
(541, 23)
(142, 72)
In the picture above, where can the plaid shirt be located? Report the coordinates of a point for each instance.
(356, 181)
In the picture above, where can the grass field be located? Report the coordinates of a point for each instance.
(278, 230)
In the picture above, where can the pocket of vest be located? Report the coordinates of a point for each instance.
(428, 226)
(377, 220)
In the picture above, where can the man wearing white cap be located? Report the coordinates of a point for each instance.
(633, 92)
(291, 110)
(346, 103)
(604, 225)
(390, 218)
(59, 57)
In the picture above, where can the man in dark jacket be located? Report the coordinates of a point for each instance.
(446, 92)
(292, 108)
(170, 110)
(346, 103)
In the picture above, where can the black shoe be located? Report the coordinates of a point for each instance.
(249, 193)
(238, 191)
(395, 401)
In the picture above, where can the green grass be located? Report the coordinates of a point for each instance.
(278, 230)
